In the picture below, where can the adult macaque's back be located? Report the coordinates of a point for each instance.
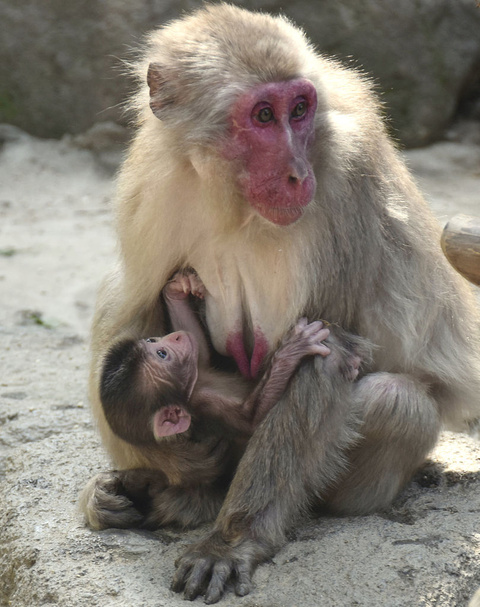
(267, 168)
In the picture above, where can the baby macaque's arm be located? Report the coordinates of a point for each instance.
(305, 339)
(182, 315)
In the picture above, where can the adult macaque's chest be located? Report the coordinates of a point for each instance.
(253, 298)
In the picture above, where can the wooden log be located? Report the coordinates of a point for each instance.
(461, 244)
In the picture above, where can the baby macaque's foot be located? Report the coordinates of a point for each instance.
(348, 354)
(351, 366)
(305, 339)
(183, 283)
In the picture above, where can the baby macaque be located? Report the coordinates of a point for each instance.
(151, 388)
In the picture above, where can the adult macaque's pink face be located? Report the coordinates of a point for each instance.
(272, 131)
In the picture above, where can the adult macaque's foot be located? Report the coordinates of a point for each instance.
(207, 566)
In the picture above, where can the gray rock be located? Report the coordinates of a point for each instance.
(60, 62)
(61, 69)
(107, 140)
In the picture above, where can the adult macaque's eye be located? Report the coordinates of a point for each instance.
(299, 110)
(162, 353)
(265, 114)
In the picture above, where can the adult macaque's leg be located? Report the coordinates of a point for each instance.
(400, 425)
(297, 454)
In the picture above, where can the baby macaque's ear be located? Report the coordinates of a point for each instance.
(170, 420)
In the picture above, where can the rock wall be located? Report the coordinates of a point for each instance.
(61, 69)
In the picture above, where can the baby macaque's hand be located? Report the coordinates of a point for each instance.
(182, 284)
(305, 339)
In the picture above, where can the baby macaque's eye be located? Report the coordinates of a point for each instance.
(162, 353)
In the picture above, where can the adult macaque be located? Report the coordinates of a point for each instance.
(267, 168)
(150, 388)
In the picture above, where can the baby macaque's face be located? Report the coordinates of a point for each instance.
(179, 348)
(171, 360)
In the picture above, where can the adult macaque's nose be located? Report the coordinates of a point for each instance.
(298, 171)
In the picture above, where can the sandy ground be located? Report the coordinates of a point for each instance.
(56, 242)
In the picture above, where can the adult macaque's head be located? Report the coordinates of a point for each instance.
(242, 100)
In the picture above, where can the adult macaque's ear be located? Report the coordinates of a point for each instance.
(164, 89)
(170, 420)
